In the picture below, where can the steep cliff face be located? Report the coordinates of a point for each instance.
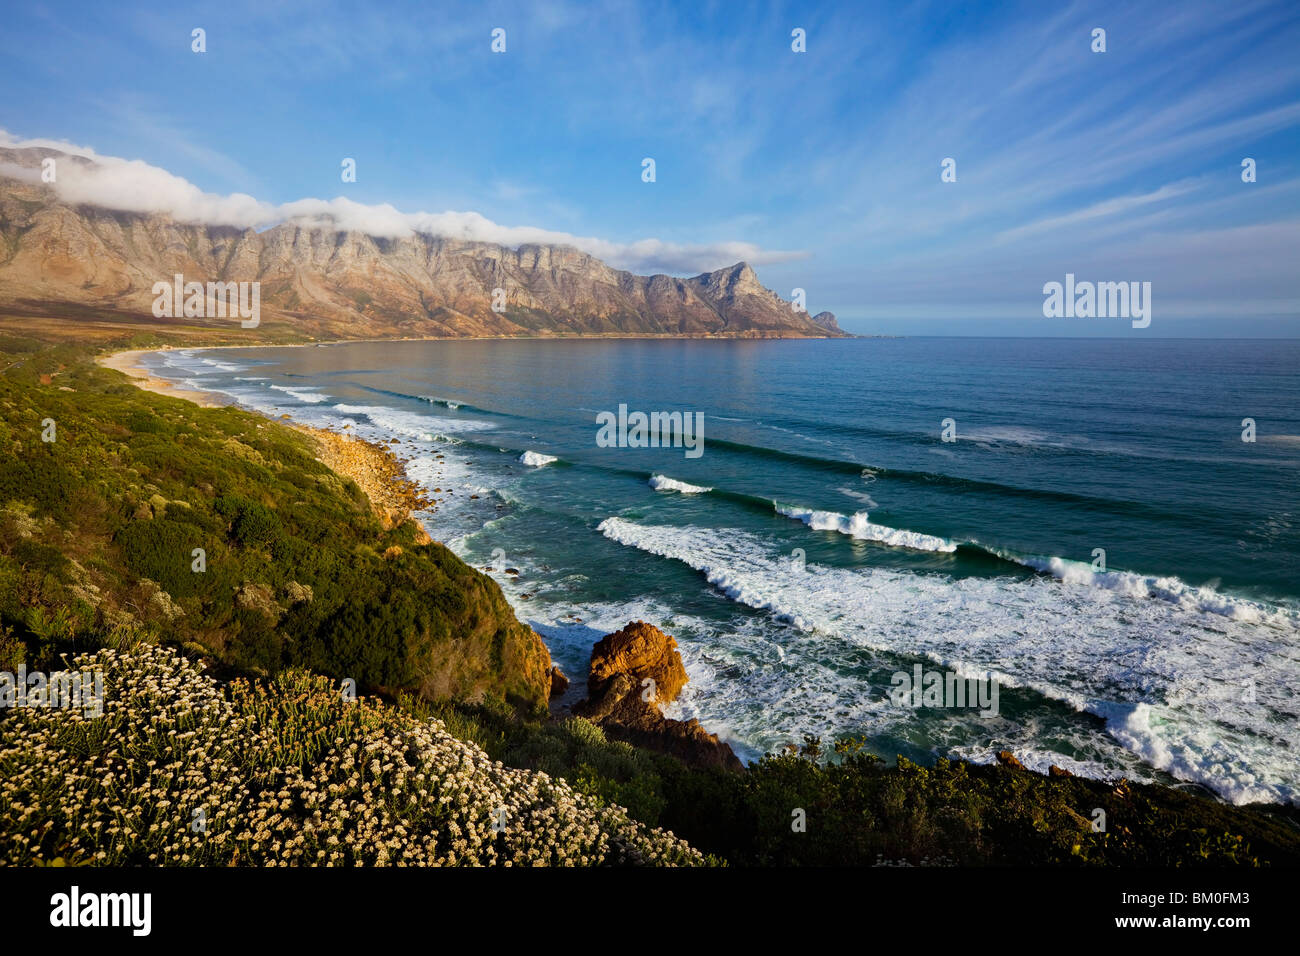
(349, 284)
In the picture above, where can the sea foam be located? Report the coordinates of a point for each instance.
(1199, 695)
(309, 395)
(536, 460)
(860, 526)
(1167, 588)
(664, 483)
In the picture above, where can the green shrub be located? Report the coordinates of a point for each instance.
(39, 478)
(252, 525)
(161, 550)
(144, 422)
(39, 559)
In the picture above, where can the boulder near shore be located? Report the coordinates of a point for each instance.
(633, 672)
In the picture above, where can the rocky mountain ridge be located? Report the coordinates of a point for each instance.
(347, 284)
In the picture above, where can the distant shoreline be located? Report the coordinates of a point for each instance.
(128, 361)
(379, 473)
(562, 337)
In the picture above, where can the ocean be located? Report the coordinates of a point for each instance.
(1095, 538)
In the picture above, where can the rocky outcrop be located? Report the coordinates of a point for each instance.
(642, 651)
(378, 472)
(827, 321)
(1008, 759)
(633, 672)
(340, 284)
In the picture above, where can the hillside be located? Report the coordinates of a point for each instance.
(99, 530)
(286, 773)
(328, 283)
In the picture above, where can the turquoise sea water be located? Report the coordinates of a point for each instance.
(828, 538)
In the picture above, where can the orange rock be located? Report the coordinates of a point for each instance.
(1008, 759)
(640, 651)
(625, 704)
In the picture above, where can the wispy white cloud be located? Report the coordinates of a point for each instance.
(111, 182)
(1105, 208)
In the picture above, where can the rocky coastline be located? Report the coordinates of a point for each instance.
(377, 471)
(633, 672)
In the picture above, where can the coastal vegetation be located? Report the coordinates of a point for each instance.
(146, 519)
(179, 770)
(860, 810)
(224, 685)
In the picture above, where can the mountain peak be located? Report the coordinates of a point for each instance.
(737, 279)
(827, 321)
(319, 280)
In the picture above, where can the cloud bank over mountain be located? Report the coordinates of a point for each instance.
(111, 182)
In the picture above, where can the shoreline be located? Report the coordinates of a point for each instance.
(375, 469)
(128, 363)
(566, 337)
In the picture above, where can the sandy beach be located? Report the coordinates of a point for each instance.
(129, 363)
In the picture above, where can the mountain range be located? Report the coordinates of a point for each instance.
(328, 282)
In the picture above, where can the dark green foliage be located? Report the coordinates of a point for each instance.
(40, 478)
(160, 549)
(367, 642)
(861, 811)
(142, 423)
(135, 482)
(19, 344)
(13, 653)
(251, 525)
(38, 559)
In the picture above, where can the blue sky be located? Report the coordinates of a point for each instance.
(822, 168)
